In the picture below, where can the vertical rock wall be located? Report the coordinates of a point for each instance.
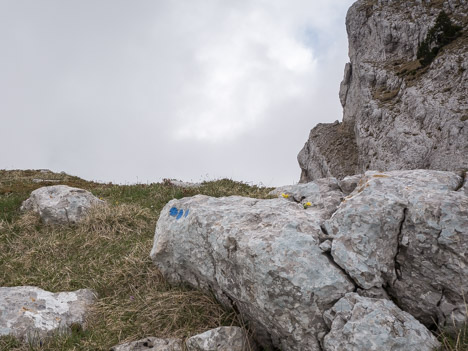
(398, 114)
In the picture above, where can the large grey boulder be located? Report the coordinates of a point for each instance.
(407, 231)
(60, 204)
(395, 116)
(219, 339)
(30, 313)
(260, 256)
(363, 324)
(150, 344)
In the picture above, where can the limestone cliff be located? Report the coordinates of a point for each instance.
(399, 112)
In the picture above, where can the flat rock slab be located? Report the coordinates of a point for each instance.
(363, 324)
(407, 231)
(219, 339)
(262, 256)
(151, 344)
(30, 313)
(60, 204)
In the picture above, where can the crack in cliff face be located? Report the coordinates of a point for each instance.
(399, 237)
(463, 180)
(333, 263)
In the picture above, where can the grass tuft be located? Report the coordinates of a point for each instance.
(109, 253)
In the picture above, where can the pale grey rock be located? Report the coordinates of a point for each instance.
(219, 339)
(407, 231)
(151, 344)
(60, 204)
(260, 255)
(30, 313)
(324, 196)
(37, 180)
(364, 324)
(181, 184)
(396, 120)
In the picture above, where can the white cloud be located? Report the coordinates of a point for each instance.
(115, 90)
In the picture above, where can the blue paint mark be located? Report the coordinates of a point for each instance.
(186, 213)
(173, 211)
(181, 212)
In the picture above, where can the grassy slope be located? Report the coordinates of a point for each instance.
(109, 253)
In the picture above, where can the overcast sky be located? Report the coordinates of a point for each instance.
(140, 90)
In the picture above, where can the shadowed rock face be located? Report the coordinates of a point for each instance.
(398, 115)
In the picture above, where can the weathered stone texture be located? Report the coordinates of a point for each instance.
(262, 256)
(60, 204)
(30, 313)
(363, 324)
(219, 339)
(407, 231)
(399, 117)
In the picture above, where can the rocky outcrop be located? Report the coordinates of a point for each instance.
(260, 257)
(407, 231)
(60, 204)
(396, 113)
(284, 263)
(360, 323)
(31, 314)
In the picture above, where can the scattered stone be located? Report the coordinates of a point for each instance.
(31, 314)
(326, 246)
(60, 204)
(407, 231)
(363, 324)
(150, 344)
(262, 256)
(37, 180)
(219, 339)
(181, 184)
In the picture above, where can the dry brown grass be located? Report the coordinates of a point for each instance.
(109, 253)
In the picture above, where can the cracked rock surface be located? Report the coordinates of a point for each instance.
(360, 323)
(260, 256)
(30, 313)
(399, 235)
(396, 115)
(407, 231)
(60, 204)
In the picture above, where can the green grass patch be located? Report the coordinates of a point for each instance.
(109, 253)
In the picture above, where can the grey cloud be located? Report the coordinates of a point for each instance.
(118, 90)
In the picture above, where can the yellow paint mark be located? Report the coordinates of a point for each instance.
(380, 176)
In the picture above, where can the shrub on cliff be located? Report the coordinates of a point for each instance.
(442, 33)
